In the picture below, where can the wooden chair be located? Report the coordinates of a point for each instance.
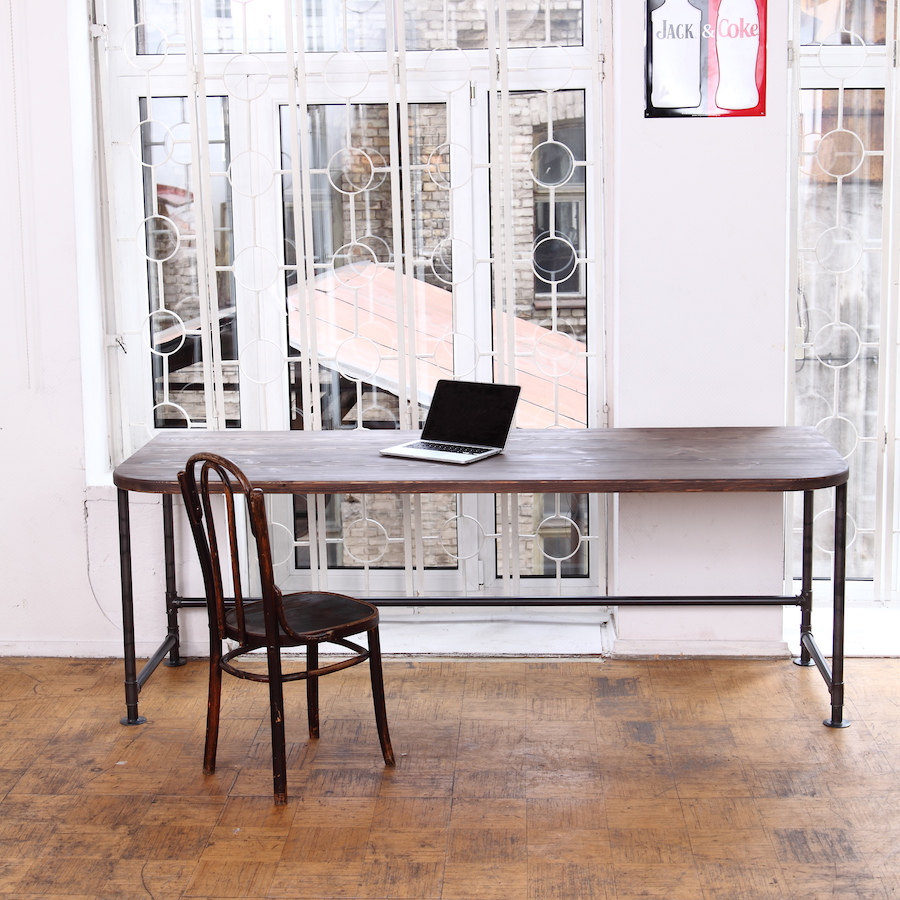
(276, 621)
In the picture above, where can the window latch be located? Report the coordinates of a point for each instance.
(99, 31)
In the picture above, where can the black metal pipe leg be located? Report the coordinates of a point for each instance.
(837, 639)
(804, 659)
(175, 657)
(132, 687)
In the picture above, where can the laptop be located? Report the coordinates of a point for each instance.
(467, 421)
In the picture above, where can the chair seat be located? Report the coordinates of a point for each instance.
(312, 615)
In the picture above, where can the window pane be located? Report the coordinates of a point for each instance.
(355, 304)
(366, 531)
(258, 26)
(358, 313)
(841, 195)
(553, 536)
(548, 252)
(847, 22)
(179, 395)
(448, 24)
(229, 26)
(548, 244)
(354, 26)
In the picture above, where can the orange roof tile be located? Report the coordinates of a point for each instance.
(356, 333)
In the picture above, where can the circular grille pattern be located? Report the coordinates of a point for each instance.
(365, 540)
(256, 268)
(552, 164)
(246, 77)
(262, 361)
(840, 152)
(163, 239)
(553, 259)
(551, 528)
(837, 345)
(251, 174)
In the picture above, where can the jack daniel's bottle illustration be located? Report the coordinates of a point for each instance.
(737, 46)
(676, 55)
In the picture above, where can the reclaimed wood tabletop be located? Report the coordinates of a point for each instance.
(608, 460)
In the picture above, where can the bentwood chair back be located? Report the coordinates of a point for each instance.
(273, 621)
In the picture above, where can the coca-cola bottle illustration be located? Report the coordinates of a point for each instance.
(675, 79)
(737, 47)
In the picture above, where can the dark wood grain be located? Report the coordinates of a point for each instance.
(614, 460)
(688, 777)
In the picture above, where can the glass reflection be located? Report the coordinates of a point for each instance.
(841, 195)
(332, 26)
(548, 145)
(356, 312)
(171, 250)
(843, 22)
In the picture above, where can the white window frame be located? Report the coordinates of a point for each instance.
(858, 67)
(472, 114)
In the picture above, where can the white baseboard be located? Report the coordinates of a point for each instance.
(450, 631)
(645, 648)
(71, 649)
(489, 637)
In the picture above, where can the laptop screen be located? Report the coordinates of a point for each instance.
(471, 412)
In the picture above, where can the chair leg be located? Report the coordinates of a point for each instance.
(378, 696)
(276, 713)
(312, 688)
(213, 705)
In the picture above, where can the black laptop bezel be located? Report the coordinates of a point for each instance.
(512, 392)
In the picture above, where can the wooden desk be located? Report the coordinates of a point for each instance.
(602, 461)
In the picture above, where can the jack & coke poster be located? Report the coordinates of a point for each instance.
(705, 58)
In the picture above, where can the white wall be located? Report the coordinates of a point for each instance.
(698, 329)
(699, 326)
(47, 604)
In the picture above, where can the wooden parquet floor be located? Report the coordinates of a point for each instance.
(515, 779)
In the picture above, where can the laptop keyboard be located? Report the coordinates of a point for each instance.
(446, 448)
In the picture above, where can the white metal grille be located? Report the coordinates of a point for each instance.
(320, 209)
(844, 265)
